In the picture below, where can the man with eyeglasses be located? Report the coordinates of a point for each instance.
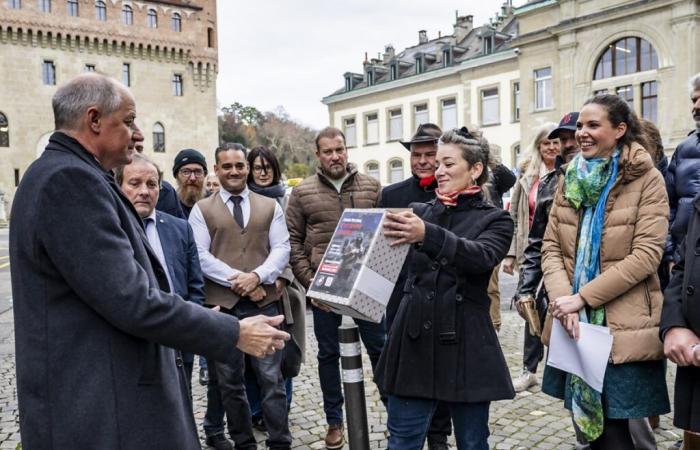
(189, 170)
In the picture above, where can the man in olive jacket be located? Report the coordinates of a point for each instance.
(95, 326)
(313, 212)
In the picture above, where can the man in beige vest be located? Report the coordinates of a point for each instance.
(243, 247)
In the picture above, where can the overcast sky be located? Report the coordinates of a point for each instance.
(291, 53)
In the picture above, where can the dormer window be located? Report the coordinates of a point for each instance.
(419, 64)
(348, 83)
(446, 57)
(394, 72)
(488, 44)
(370, 77)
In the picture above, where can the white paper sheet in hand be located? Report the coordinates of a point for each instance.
(587, 357)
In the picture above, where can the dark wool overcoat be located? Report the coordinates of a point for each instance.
(442, 344)
(95, 334)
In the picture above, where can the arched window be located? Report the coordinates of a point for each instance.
(152, 19)
(625, 56)
(127, 15)
(372, 169)
(395, 171)
(4, 131)
(101, 10)
(158, 138)
(176, 22)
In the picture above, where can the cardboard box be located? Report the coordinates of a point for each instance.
(359, 269)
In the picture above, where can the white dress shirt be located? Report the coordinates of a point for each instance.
(152, 234)
(217, 270)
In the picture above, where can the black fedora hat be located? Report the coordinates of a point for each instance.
(427, 132)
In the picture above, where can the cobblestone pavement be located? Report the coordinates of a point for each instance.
(531, 421)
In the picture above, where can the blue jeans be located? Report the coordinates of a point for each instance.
(326, 326)
(409, 419)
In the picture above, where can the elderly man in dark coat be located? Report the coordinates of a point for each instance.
(680, 331)
(95, 326)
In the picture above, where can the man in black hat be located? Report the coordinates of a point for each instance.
(419, 188)
(190, 169)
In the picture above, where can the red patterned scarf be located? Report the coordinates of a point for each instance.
(451, 199)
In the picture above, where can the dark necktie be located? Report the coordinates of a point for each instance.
(237, 210)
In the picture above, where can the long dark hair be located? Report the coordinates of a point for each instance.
(619, 111)
(266, 156)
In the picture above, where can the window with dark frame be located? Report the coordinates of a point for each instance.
(627, 94)
(649, 101)
(73, 8)
(419, 64)
(446, 57)
(127, 15)
(152, 18)
(176, 22)
(126, 74)
(158, 138)
(45, 6)
(211, 42)
(625, 56)
(48, 73)
(4, 131)
(177, 85)
(393, 72)
(101, 10)
(370, 77)
(516, 101)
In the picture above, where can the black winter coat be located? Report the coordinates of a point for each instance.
(442, 344)
(682, 309)
(682, 183)
(531, 268)
(500, 180)
(400, 195)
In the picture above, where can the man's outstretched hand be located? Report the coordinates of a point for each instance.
(259, 337)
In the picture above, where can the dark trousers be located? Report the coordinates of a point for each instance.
(230, 380)
(533, 350)
(616, 435)
(441, 425)
(326, 326)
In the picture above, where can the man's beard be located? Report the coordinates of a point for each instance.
(337, 175)
(190, 194)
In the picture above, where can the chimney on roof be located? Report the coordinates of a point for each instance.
(422, 37)
(389, 53)
(463, 25)
(366, 59)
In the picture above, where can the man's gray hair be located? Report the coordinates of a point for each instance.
(694, 83)
(82, 92)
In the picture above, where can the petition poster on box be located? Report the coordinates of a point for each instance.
(347, 252)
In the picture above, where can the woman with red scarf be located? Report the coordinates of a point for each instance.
(442, 345)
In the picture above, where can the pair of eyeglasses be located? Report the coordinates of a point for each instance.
(198, 173)
(261, 169)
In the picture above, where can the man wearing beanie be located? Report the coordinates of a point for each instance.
(190, 170)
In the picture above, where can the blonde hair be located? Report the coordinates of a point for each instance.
(532, 162)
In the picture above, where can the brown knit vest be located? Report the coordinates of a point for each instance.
(243, 249)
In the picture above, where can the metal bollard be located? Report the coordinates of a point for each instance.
(353, 385)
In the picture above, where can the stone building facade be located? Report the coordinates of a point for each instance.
(537, 62)
(164, 50)
(468, 78)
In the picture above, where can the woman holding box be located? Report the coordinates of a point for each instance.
(442, 344)
(600, 253)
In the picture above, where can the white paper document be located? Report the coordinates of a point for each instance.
(587, 357)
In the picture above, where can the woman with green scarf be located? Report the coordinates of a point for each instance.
(600, 253)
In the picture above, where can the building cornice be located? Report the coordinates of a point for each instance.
(589, 20)
(181, 4)
(427, 76)
(533, 6)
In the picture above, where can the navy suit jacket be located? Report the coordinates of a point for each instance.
(181, 257)
(180, 250)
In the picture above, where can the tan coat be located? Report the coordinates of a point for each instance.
(313, 212)
(636, 223)
(520, 212)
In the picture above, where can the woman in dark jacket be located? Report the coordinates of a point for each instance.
(265, 175)
(680, 331)
(442, 345)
